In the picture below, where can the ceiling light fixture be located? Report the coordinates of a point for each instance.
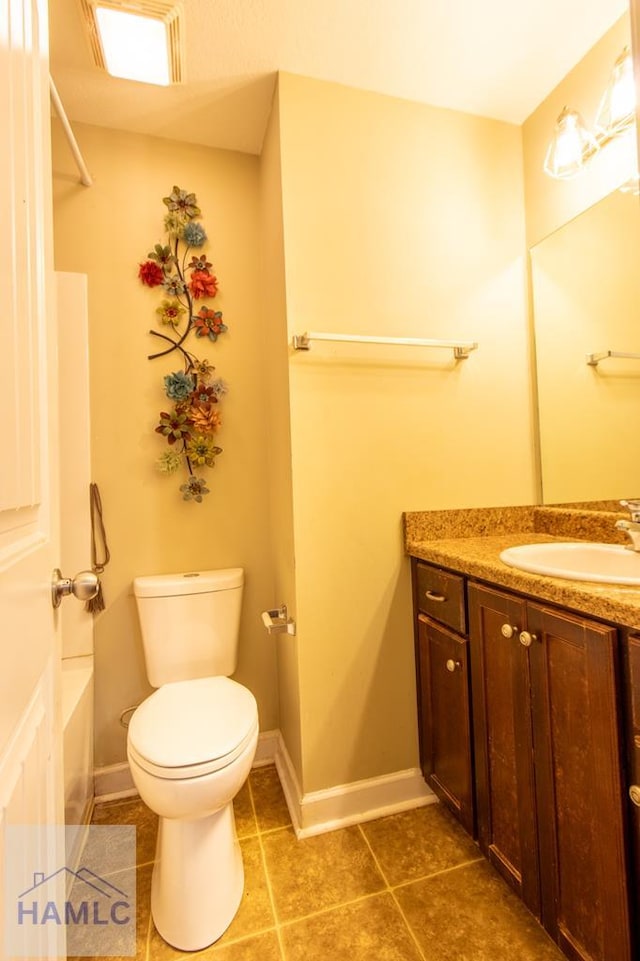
(572, 144)
(135, 39)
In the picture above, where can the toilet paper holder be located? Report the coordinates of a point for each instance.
(278, 622)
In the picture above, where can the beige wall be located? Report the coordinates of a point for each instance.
(408, 220)
(365, 214)
(279, 434)
(551, 203)
(105, 231)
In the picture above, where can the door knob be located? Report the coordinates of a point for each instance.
(84, 586)
(527, 639)
(508, 630)
(634, 794)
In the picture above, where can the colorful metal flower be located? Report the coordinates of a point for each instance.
(150, 273)
(178, 386)
(201, 450)
(162, 255)
(175, 426)
(203, 284)
(182, 203)
(169, 462)
(203, 369)
(204, 417)
(194, 489)
(204, 394)
(200, 263)
(171, 312)
(219, 387)
(208, 323)
(194, 234)
(173, 224)
(174, 285)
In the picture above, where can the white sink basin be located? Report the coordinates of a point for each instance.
(607, 563)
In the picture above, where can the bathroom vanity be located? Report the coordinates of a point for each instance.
(529, 717)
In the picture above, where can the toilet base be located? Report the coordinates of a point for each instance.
(198, 879)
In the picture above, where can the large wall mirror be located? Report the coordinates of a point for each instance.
(586, 301)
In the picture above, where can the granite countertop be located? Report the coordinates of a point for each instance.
(470, 542)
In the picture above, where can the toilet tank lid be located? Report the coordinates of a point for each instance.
(191, 582)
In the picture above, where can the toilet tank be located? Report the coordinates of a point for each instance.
(190, 623)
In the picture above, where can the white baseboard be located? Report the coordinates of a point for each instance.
(313, 813)
(345, 804)
(267, 748)
(114, 782)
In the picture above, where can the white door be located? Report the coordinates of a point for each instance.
(30, 742)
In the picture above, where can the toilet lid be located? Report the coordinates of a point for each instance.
(191, 728)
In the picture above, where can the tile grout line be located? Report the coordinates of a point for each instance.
(333, 907)
(395, 900)
(266, 875)
(412, 933)
(437, 874)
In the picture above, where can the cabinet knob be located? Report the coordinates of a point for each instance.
(451, 665)
(634, 794)
(527, 639)
(508, 631)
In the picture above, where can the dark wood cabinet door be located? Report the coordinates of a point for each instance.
(445, 723)
(579, 790)
(505, 795)
(632, 725)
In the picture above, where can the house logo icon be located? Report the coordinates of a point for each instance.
(92, 900)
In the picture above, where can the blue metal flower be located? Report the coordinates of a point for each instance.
(178, 385)
(194, 234)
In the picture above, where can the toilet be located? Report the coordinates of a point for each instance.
(190, 747)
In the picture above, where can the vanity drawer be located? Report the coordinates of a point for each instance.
(441, 595)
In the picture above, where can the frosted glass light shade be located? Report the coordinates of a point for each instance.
(570, 147)
(136, 39)
(618, 105)
(135, 47)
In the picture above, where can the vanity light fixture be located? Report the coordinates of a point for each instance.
(136, 39)
(572, 144)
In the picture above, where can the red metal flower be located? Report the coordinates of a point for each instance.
(150, 273)
(203, 284)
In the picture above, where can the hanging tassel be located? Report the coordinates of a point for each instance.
(97, 603)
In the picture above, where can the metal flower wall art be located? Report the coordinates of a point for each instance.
(190, 419)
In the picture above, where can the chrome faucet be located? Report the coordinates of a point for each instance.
(631, 527)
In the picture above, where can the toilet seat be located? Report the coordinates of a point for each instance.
(192, 728)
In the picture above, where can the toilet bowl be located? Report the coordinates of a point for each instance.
(190, 747)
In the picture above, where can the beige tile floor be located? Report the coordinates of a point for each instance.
(409, 887)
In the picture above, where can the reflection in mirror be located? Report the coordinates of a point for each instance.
(586, 300)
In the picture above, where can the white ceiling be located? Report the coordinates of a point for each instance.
(496, 58)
